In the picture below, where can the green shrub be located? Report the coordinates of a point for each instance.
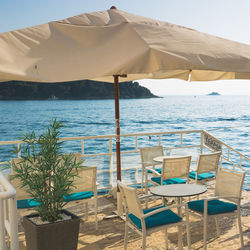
(45, 172)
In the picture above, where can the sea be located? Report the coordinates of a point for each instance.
(225, 117)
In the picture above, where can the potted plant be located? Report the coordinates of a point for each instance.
(47, 175)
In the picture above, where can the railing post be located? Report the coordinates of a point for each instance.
(2, 226)
(8, 219)
(110, 163)
(82, 143)
(19, 152)
(202, 142)
(13, 223)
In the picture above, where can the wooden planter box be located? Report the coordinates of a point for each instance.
(62, 235)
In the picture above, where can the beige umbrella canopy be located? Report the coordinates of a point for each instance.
(108, 44)
(102, 44)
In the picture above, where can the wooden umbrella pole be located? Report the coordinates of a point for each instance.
(118, 145)
(117, 126)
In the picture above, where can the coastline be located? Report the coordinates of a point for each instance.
(77, 90)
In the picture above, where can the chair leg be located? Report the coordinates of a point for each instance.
(180, 242)
(143, 240)
(146, 187)
(240, 229)
(126, 236)
(205, 232)
(86, 210)
(217, 227)
(142, 179)
(187, 227)
(166, 237)
(96, 219)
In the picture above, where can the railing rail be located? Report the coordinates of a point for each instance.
(8, 215)
(201, 146)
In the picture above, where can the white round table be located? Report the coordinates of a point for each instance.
(179, 191)
(160, 159)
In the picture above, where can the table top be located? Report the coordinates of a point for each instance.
(178, 190)
(160, 158)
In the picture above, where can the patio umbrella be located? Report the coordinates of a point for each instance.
(115, 46)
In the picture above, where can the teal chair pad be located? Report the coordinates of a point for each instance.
(159, 219)
(78, 196)
(213, 206)
(28, 203)
(169, 181)
(201, 176)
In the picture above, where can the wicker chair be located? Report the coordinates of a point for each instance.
(147, 221)
(228, 187)
(206, 167)
(175, 170)
(147, 156)
(85, 189)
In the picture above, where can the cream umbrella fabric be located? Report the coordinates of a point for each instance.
(102, 44)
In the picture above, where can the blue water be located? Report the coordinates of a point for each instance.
(226, 117)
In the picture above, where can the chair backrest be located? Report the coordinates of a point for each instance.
(208, 162)
(15, 161)
(149, 153)
(77, 156)
(85, 180)
(21, 193)
(176, 167)
(131, 200)
(229, 184)
(18, 161)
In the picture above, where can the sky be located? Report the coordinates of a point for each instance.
(229, 19)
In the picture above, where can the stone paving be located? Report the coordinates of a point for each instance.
(110, 233)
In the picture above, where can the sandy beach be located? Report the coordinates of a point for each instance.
(110, 234)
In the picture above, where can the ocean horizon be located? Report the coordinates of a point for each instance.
(225, 117)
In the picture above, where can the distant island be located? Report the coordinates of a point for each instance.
(213, 93)
(77, 90)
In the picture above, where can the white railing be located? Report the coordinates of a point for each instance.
(229, 155)
(8, 215)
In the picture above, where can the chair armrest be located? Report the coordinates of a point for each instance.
(152, 171)
(160, 210)
(150, 163)
(145, 196)
(221, 197)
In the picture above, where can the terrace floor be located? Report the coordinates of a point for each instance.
(110, 233)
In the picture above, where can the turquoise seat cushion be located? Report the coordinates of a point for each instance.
(159, 219)
(213, 206)
(29, 203)
(169, 181)
(78, 196)
(156, 169)
(201, 176)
